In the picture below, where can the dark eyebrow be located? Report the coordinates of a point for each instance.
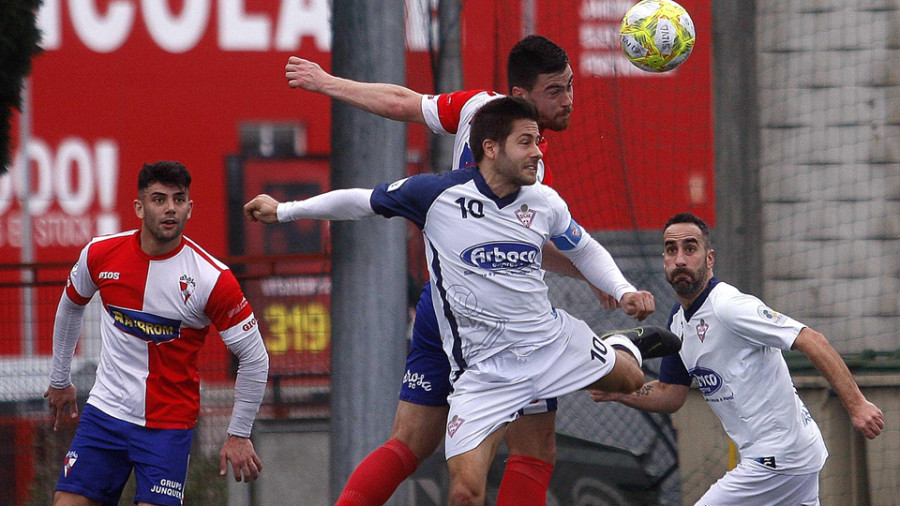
(529, 136)
(164, 194)
(558, 86)
(690, 240)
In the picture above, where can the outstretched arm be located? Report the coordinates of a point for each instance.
(390, 101)
(554, 261)
(336, 205)
(598, 267)
(865, 416)
(654, 397)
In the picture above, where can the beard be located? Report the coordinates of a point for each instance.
(164, 236)
(690, 287)
(559, 123)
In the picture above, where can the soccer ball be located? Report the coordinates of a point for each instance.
(657, 35)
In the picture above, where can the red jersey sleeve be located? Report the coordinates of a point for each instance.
(228, 309)
(449, 106)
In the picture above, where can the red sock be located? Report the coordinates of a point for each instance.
(377, 477)
(525, 482)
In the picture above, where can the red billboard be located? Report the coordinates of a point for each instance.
(124, 82)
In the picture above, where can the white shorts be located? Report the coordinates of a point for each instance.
(488, 394)
(753, 484)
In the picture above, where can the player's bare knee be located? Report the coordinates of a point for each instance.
(625, 378)
(463, 494)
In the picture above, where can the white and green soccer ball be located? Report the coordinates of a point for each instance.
(657, 35)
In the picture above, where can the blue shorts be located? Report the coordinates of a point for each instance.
(427, 378)
(105, 450)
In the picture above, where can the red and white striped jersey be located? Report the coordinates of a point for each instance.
(452, 113)
(156, 314)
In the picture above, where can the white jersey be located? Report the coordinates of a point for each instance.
(484, 259)
(157, 312)
(731, 347)
(452, 113)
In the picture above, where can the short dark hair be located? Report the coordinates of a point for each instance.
(494, 121)
(532, 56)
(691, 218)
(166, 172)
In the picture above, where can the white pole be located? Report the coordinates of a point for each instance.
(27, 251)
(529, 14)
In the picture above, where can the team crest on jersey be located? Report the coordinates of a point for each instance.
(525, 215)
(454, 425)
(702, 327)
(771, 316)
(69, 463)
(187, 285)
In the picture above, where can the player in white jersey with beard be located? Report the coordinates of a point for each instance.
(538, 70)
(732, 345)
(160, 293)
(484, 229)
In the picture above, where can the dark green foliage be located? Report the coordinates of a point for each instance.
(19, 39)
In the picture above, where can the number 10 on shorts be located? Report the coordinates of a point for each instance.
(599, 350)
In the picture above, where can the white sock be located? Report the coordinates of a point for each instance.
(622, 342)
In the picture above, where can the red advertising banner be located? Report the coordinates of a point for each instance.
(125, 82)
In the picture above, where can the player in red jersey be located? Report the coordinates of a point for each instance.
(160, 293)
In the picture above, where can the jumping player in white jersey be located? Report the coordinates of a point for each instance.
(538, 70)
(732, 346)
(484, 228)
(160, 293)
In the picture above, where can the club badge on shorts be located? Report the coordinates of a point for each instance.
(69, 463)
(454, 425)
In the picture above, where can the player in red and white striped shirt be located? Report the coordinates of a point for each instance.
(160, 293)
